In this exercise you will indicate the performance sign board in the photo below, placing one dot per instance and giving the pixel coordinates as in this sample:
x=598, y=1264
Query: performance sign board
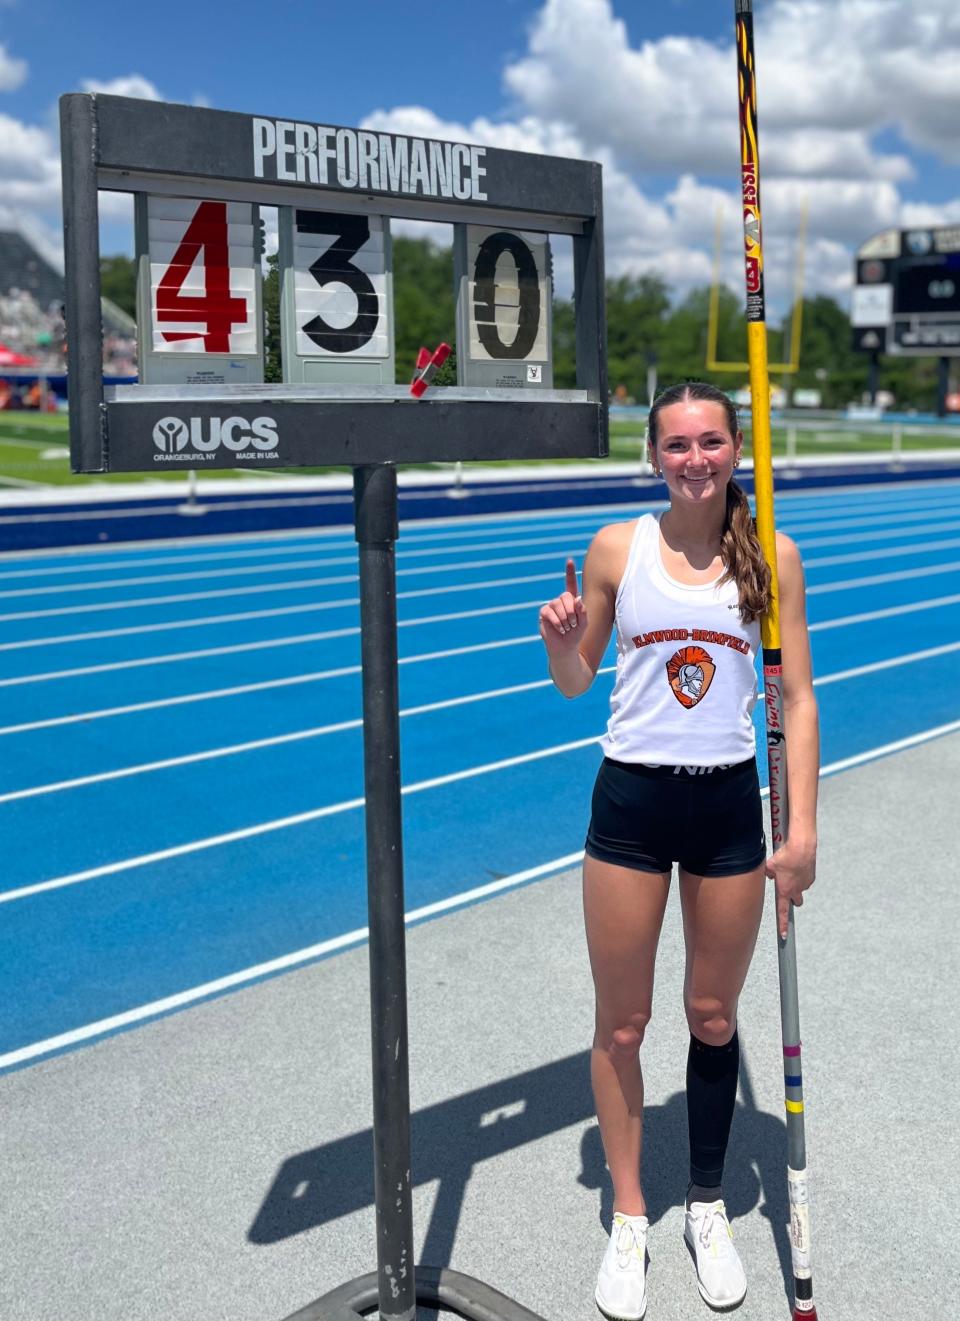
x=336, y=297
x=504, y=308
x=200, y=177
x=198, y=291
x=906, y=299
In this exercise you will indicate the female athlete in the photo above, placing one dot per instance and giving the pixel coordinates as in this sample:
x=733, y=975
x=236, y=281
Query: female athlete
x=678, y=784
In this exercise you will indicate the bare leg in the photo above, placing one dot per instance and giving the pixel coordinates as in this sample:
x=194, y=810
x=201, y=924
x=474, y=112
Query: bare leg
x=623, y=911
x=721, y=918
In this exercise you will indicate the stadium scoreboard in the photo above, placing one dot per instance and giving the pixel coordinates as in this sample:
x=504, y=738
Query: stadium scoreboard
x=906, y=294
x=200, y=180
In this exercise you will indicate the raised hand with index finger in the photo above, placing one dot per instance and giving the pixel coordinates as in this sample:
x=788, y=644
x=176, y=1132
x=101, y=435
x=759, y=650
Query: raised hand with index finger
x=564, y=619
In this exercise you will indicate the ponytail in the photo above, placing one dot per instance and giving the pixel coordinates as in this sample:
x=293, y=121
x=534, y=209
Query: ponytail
x=743, y=559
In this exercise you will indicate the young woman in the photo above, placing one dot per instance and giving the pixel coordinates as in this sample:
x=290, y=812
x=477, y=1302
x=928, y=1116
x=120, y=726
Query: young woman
x=678, y=784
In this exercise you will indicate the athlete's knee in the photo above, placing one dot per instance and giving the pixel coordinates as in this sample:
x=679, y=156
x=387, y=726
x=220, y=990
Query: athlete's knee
x=711, y=1020
x=621, y=1036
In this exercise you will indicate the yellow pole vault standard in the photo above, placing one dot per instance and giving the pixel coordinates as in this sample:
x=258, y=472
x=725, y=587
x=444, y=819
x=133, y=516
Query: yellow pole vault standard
x=803, y=1308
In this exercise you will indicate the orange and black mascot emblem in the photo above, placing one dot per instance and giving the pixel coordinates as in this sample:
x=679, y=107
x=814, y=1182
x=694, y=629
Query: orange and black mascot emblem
x=690, y=671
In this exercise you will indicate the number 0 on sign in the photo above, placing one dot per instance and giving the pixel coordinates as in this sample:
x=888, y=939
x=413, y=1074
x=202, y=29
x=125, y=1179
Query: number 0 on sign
x=503, y=307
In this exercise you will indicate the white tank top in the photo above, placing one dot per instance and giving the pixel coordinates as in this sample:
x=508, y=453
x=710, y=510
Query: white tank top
x=686, y=680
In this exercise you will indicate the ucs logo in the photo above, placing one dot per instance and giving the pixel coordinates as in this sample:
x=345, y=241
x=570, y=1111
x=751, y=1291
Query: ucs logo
x=172, y=434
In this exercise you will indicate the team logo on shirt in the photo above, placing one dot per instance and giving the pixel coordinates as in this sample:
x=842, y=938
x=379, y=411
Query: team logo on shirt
x=690, y=672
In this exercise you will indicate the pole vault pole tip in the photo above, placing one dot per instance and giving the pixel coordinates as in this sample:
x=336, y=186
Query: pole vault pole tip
x=800, y=1315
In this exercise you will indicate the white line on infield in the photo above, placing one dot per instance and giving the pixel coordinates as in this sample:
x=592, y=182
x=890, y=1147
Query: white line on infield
x=245, y=976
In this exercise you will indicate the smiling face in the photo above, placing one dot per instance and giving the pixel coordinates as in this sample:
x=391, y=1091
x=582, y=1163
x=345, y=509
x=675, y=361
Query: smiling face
x=694, y=450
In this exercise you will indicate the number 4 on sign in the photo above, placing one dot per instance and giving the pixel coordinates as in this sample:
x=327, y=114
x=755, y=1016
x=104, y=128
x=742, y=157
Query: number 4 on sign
x=215, y=309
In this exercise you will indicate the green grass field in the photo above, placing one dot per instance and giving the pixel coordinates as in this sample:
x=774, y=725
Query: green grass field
x=34, y=449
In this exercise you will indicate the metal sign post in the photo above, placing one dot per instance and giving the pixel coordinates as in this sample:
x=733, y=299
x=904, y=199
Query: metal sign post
x=337, y=405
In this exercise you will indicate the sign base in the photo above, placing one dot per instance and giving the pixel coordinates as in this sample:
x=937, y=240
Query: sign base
x=435, y=1287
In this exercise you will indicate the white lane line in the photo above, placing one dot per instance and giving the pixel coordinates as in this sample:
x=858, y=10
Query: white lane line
x=445, y=704
x=297, y=585
x=863, y=538
x=338, y=580
x=873, y=667
x=312, y=607
x=343, y=725
x=284, y=823
x=244, y=976
x=278, y=740
x=206, y=621
x=877, y=579
x=848, y=584
x=126, y=1019
x=279, y=568
x=256, y=646
x=318, y=676
x=885, y=553
x=562, y=529
x=336, y=808
x=867, y=616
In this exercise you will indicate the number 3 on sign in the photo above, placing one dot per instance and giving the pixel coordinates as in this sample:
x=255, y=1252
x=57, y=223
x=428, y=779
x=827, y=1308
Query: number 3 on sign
x=340, y=285
x=202, y=277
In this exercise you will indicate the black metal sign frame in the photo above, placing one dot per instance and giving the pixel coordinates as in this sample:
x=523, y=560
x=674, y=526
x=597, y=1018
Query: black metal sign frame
x=119, y=143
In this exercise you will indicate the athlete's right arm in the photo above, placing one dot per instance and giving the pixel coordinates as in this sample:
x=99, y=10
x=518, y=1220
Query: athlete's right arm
x=576, y=629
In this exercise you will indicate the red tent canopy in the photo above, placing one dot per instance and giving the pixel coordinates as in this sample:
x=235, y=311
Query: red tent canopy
x=8, y=358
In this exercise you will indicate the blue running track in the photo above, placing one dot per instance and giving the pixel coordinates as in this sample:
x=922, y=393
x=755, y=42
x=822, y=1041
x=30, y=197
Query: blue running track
x=181, y=780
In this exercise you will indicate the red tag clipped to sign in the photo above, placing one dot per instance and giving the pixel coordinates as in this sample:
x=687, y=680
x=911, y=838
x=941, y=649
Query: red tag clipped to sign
x=423, y=357
x=429, y=371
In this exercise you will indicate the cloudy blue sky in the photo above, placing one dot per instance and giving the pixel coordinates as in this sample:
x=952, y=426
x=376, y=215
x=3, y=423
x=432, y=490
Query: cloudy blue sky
x=859, y=104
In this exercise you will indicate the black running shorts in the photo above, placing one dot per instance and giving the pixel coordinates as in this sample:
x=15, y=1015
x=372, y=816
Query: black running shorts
x=709, y=820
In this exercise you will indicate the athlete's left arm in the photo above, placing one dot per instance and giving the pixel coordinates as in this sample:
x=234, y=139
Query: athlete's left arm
x=794, y=864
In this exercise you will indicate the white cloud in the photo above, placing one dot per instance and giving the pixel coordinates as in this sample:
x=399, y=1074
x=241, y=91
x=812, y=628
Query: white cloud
x=24, y=150
x=867, y=64
x=131, y=84
x=13, y=72
x=830, y=77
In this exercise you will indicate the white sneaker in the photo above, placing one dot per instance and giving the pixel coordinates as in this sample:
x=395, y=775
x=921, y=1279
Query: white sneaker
x=720, y=1274
x=622, y=1280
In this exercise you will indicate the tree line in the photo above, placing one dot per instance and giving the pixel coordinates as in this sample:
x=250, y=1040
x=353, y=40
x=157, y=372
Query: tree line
x=645, y=325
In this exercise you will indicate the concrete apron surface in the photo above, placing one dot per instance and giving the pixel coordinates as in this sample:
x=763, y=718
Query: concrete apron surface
x=217, y=1163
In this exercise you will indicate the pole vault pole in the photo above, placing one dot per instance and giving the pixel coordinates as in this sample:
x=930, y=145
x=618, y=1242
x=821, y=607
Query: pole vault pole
x=803, y=1307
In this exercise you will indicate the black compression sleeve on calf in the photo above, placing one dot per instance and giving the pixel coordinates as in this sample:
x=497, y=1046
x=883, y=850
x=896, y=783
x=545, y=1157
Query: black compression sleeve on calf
x=712, y=1073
